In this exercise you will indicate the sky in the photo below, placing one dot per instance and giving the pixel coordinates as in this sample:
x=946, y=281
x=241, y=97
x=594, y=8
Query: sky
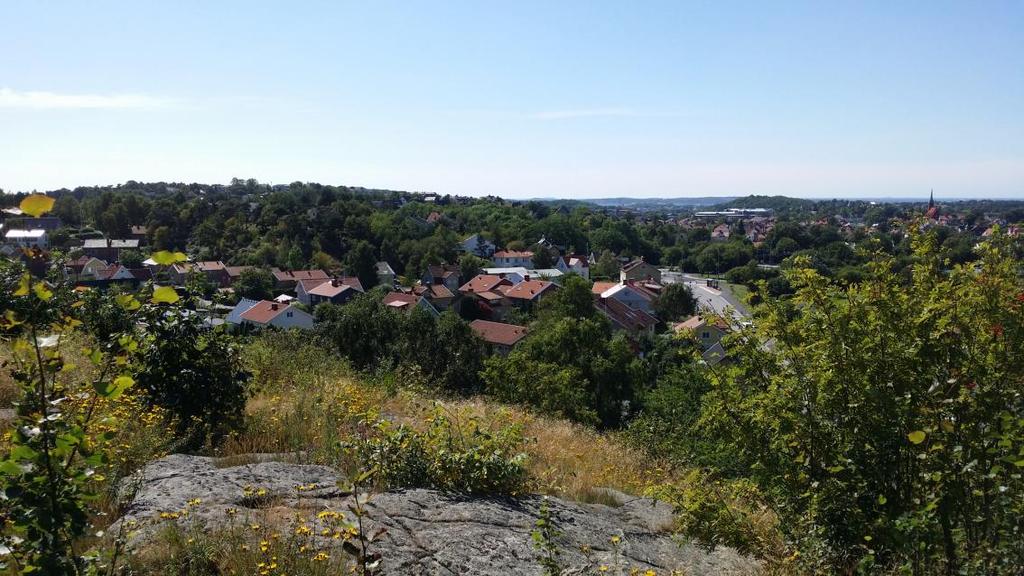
x=569, y=99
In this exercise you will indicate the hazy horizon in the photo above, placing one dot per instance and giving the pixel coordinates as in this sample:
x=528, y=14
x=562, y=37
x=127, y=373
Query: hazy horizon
x=577, y=100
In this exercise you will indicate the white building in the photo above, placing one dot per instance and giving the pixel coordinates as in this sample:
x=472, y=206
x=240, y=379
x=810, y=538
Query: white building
x=35, y=238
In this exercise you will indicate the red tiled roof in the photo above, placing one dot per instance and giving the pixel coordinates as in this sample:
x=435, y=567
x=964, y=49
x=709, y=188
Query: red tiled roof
x=484, y=283
x=435, y=291
x=497, y=332
x=600, y=287
x=264, y=311
x=528, y=289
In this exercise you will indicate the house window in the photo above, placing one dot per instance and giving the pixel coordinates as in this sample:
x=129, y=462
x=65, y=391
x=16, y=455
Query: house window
x=705, y=335
x=289, y=314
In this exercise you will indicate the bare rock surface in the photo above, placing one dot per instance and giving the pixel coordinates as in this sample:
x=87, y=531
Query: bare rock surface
x=426, y=532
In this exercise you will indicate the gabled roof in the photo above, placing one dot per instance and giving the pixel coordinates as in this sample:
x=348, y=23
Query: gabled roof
x=434, y=291
x=483, y=283
x=333, y=287
x=400, y=300
x=443, y=270
x=235, y=316
x=296, y=275
x=497, y=332
x=263, y=312
x=576, y=260
x=697, y=322
x=630, y=319
x=600, y=287
x=139, y=230
x=634, y=264
x=111, y=243
x=528, y=289
x=384, y=268
x=115, y=272
x=236, y=271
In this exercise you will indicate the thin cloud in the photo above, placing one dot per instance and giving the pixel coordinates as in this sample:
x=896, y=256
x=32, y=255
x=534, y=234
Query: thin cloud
x=10, y=98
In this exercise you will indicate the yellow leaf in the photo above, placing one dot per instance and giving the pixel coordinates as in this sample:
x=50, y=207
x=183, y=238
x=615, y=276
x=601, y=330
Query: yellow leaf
x=164, y=295
x=916, y=437
x=23, y=285
x=42, y=291
x=36, y=205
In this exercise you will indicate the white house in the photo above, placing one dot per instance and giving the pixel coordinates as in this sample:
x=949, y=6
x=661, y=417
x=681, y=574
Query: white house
x=269, y=313
x=575, y=264
x=478, y=245
x=631, y=295
x=35, y=238
x=513, y=258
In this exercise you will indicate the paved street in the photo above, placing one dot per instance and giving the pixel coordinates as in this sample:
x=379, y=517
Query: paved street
x=717, y=300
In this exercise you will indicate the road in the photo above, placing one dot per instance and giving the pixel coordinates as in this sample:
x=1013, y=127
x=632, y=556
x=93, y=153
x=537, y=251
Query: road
x=717, y=300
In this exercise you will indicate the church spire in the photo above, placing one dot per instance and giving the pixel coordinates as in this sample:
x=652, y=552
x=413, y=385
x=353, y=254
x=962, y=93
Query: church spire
x=931, y=199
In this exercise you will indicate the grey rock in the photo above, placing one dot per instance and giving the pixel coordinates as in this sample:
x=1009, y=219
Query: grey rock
x=426, y=531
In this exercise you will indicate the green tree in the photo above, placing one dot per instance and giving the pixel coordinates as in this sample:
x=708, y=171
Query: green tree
x=886, y=422
x=362, y=263
x=131, y=259
x=675, y=301
x=573, y=300
x=255, y=283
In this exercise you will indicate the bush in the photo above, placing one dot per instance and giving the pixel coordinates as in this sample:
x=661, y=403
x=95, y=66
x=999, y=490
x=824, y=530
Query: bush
x=448, y=455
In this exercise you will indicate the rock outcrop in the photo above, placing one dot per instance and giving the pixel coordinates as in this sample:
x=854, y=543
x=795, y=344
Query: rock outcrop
x=426, y=532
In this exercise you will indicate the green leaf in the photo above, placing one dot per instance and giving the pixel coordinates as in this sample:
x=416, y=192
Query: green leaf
x=36, y=204
x=916, y=437
x=118, y=386
x=127, y=301
x=9, y=468
x=166, y=258
x=882, y=499
x=164, y=295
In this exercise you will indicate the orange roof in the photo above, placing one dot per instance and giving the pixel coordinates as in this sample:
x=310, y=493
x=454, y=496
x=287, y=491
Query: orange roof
x=528, y=289
x=483, y=283
x=600, y=287
x=400, y=300
x=497, y=332
x=263, y=312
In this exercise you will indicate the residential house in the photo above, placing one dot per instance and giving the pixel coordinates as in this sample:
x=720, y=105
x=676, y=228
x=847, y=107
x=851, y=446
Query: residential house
x=335, y=291
x=85, y=267
x=478, y=245
x=636, y=295
x=406, y=302
x=108, y=249
x=34, y=238
x=513, y=258
x=640, y=270
x=114, y=273
x=575, y=264
x=385, y=274
x=235, y=272
x=214, y=270
x=720, y=233
x=267, y=313
x=708, y=332
x=528, y=292
x=287, y=279
x=486, y=293
x=434, y=218
x=140, y=233
x=445, y=274
x=500, y=337
x=517, y=274
x=439, y=296
x=634, y=322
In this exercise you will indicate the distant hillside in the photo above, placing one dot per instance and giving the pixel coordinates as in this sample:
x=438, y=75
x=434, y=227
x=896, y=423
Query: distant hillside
x=777, y=203
x=660, y=203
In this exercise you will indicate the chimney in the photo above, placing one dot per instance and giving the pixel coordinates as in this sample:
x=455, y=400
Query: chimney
x=273, y=306
x=526, y=278
x=334, y=282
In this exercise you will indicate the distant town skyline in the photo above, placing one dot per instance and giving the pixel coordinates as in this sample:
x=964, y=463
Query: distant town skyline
x=575, y=100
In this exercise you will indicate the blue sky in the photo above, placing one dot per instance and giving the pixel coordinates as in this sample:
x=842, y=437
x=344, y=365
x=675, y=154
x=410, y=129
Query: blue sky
x=520, y=99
